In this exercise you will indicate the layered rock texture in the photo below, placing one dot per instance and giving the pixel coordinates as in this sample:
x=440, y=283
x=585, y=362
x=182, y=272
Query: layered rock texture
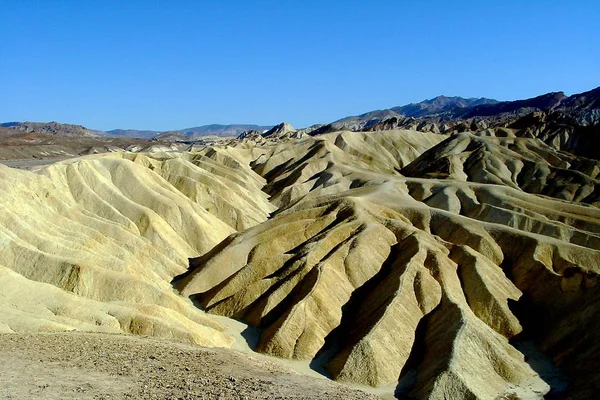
x=415, y=261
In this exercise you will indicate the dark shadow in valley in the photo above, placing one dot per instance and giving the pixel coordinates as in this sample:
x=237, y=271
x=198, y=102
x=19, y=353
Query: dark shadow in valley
x=408, y=376
x=527, y=343
x=252, y=336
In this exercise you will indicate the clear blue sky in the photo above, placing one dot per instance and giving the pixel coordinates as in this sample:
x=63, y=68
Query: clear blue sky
x=175, y=64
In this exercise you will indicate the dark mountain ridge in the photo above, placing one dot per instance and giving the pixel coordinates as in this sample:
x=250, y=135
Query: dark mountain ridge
x=440, y=104
x=442, y=109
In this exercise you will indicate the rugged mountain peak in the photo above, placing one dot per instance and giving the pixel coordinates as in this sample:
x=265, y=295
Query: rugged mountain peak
x=584, y=107
x=249, y=133
x=281, y=129
x=590, y=99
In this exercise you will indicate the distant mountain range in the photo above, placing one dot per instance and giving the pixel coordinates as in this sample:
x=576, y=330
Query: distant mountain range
x=51, y=128
x=55, y=128
x=437, y=105
x=440, y=104
x=584, y=107
x=440, y=114
x=569, y=123
x=190, y=133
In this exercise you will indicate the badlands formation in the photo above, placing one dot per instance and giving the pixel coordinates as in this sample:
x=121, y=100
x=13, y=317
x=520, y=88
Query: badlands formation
x=416, y=262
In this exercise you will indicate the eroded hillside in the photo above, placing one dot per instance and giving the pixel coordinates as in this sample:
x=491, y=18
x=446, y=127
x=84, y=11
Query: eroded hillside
x=387, y=258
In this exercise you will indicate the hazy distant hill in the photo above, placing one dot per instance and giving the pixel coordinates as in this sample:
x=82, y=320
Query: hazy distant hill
x=51, y=128
x=221, y=130
x=132, y=133
x=174, y=136
x=190, y=133
x=55, y=128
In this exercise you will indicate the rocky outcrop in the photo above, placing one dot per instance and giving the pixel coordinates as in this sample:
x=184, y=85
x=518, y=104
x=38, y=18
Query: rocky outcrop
x=282, y=131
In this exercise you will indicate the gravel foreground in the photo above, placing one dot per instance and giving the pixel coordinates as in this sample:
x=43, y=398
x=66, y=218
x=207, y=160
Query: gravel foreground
x=106, y=366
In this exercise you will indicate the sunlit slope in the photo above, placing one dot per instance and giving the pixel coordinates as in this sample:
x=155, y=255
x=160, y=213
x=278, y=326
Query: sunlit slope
x=216, y=180
x=333, y=162
x=93, y=243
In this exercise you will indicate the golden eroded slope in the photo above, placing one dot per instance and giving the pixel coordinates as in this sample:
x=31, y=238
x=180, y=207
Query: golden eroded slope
x=93, y=243
x=385, y=278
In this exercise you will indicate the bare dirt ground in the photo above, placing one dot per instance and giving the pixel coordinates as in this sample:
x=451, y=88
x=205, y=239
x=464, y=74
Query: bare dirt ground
x=103, y=366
